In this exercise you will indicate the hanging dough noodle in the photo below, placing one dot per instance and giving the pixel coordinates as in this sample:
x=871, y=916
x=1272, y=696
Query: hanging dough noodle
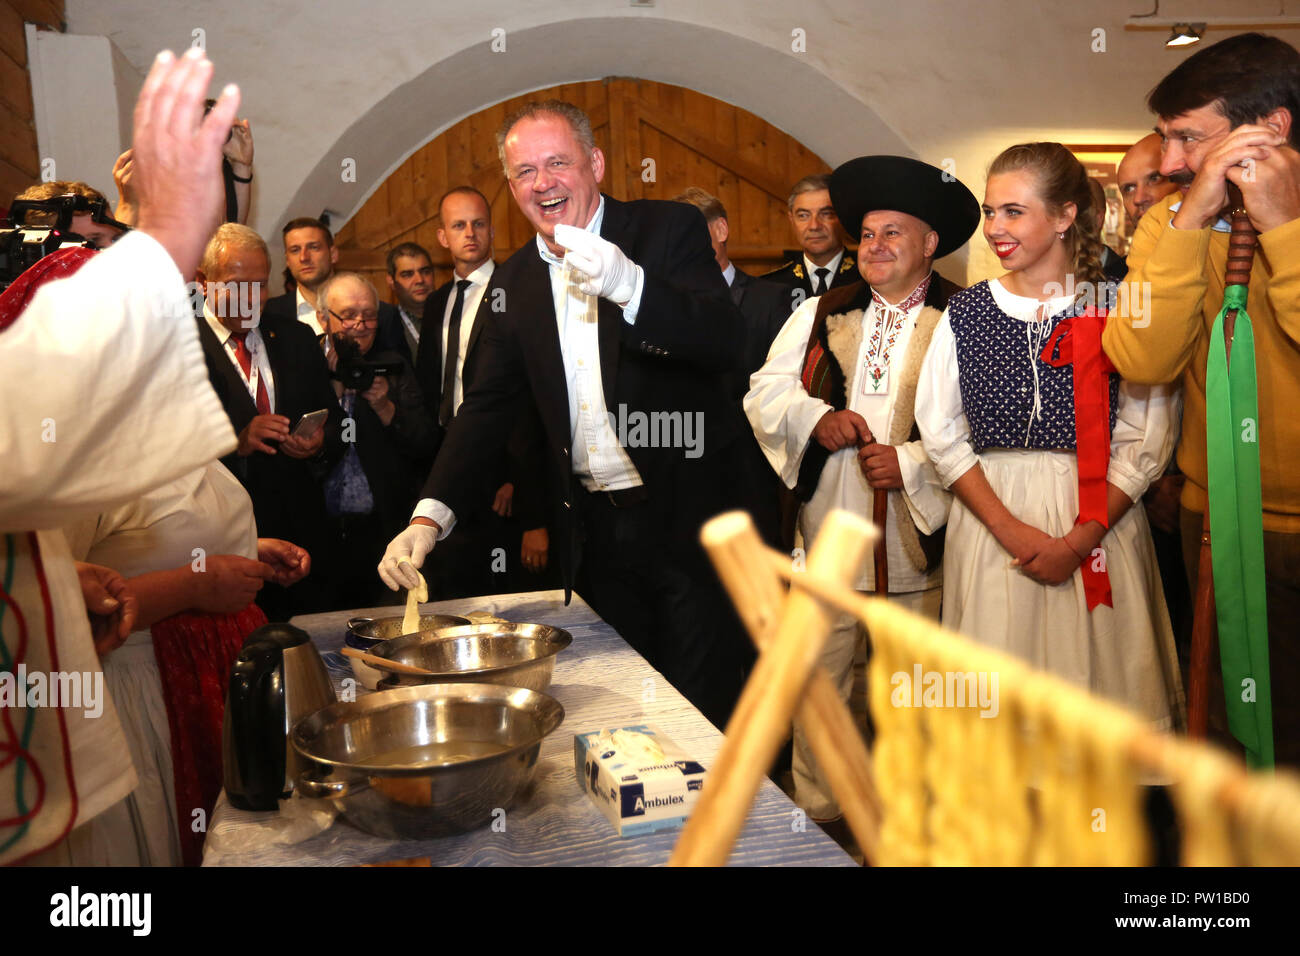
x=414, y=597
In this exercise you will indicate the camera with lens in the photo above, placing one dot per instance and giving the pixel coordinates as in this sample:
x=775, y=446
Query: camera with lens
x=352, y=368
x=39, y=227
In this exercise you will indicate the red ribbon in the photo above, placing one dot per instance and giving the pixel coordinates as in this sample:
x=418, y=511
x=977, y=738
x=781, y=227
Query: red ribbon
x=1077, y=341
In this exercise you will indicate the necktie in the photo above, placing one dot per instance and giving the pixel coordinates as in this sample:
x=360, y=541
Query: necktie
x=445, y=407
x=822, y=285
x=245, y=359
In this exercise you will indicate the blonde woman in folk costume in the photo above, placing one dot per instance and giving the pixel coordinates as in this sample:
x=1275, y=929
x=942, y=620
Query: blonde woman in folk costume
x=1072, y=590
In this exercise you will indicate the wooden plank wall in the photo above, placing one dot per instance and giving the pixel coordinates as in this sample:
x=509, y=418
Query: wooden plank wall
x=20, y=164
x=693, y=139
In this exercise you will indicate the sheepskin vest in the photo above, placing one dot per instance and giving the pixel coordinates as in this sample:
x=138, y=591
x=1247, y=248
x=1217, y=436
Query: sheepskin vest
x=832, y=348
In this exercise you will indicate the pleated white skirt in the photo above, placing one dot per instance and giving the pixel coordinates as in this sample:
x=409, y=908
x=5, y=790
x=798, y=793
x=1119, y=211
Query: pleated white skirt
x=1125, y=653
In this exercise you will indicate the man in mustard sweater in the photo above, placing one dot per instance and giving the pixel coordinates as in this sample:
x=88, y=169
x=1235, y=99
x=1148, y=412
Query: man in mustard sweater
x=1229, y=114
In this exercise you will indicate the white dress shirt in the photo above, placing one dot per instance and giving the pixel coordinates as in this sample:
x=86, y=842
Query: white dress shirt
x=729, y=274
x=783, y=415
x=833, y=266
x=307, y=314
x=599, y=461
x=261, y=365
x=478, y=282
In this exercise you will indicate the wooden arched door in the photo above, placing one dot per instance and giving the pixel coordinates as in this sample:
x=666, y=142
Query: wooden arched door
x=658, y=139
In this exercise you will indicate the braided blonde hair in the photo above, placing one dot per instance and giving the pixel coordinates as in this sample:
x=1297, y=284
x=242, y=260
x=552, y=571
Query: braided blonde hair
x=1062, y=179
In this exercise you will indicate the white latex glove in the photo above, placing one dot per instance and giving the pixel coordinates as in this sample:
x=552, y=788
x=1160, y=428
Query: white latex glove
x=610, y=274
x=414, y=544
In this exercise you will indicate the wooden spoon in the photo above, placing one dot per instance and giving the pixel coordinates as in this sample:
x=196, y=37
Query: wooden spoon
x=383, y=663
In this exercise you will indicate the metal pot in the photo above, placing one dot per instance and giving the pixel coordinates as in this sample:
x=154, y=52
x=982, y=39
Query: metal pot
x=364, y=633
x=422, y=762
x=517, y=655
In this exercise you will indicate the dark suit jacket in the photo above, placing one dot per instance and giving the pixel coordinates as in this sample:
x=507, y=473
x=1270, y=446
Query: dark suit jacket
x=388, y=337
x=288, y=501
x=671, y=360
x=428, y=368
x=765, y=306
x=522, y=462
x=793, y=275
x=395, y=456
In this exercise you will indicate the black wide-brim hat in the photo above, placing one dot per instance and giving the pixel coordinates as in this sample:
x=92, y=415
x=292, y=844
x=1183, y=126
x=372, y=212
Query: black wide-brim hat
x=934, y=196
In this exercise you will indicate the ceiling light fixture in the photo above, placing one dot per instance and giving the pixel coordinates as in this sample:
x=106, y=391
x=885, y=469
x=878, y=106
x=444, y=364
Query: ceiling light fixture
x=1185, y=34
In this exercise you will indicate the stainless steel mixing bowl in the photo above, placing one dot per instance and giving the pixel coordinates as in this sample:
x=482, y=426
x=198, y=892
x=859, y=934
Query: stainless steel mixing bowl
x=427, y=761
x=517, y=655
x=363, y=633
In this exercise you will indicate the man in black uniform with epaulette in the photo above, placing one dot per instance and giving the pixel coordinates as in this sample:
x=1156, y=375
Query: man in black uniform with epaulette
x=823, y=264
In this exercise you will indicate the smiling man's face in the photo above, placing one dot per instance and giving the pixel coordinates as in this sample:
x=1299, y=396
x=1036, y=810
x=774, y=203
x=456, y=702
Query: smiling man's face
x=552, y=177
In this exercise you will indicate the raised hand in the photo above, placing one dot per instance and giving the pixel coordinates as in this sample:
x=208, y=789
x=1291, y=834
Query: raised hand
x=610, y=274
x=176, y=155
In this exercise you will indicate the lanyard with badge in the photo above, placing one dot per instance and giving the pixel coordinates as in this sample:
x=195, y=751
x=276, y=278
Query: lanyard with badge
x=253, y=376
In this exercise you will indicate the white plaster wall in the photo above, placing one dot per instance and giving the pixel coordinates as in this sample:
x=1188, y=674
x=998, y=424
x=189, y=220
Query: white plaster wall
x=79, y=84
x=325, y=80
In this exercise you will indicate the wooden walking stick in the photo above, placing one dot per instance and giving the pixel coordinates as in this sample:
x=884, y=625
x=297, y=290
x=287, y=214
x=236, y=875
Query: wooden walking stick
x=879, y=509
x=1241, y=256
x=745, y=567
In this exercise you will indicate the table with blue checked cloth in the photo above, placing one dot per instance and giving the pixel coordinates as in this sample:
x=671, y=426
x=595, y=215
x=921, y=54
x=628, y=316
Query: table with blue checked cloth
x=602, y=682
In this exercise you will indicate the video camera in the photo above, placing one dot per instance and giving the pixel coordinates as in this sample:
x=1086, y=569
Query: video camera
x=39, y=227
x=352, y=368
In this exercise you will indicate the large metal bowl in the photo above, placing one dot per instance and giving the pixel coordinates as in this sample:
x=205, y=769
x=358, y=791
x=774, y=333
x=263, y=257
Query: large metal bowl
x=421, y=762
x=364, y=633
x=517, y=655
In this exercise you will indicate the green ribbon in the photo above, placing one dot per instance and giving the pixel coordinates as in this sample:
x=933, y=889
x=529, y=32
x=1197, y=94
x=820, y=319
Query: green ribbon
x=1237, y=531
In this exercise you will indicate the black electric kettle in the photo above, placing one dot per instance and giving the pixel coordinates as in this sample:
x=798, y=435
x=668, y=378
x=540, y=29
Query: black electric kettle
x=278, y=679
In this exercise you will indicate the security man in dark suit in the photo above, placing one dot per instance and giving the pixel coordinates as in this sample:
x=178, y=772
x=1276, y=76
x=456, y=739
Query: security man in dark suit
x=617, y=325
x=765, y=306
x=268, y=376
x=504, y=541
x=821, y=263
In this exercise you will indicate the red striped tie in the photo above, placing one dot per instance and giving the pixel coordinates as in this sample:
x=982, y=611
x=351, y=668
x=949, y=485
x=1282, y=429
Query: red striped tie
x=246, y=363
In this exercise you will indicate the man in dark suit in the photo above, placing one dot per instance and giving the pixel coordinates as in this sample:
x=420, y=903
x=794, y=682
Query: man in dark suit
x=268, y=377
x=310, y=256
x=617, y=324
x=370, y=492
x=821, y=263
x=765, y=307
x=503, y=543
x=410, y=279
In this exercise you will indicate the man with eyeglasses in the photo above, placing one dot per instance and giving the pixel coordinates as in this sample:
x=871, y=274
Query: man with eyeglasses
x=269, y=376
x=1227, y=116
x=310, y=257
x=388, y=438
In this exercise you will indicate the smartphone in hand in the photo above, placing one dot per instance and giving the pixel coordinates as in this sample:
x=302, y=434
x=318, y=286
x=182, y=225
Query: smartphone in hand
x=310, y=424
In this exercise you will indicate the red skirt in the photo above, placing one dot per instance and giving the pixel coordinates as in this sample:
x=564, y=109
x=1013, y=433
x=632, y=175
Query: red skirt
x=195, y=653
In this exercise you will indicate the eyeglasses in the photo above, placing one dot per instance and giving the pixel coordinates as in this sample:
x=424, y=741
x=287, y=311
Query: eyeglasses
x=368, y=319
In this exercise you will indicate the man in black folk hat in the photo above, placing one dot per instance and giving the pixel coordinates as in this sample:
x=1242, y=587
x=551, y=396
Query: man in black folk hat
x=832, y=407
